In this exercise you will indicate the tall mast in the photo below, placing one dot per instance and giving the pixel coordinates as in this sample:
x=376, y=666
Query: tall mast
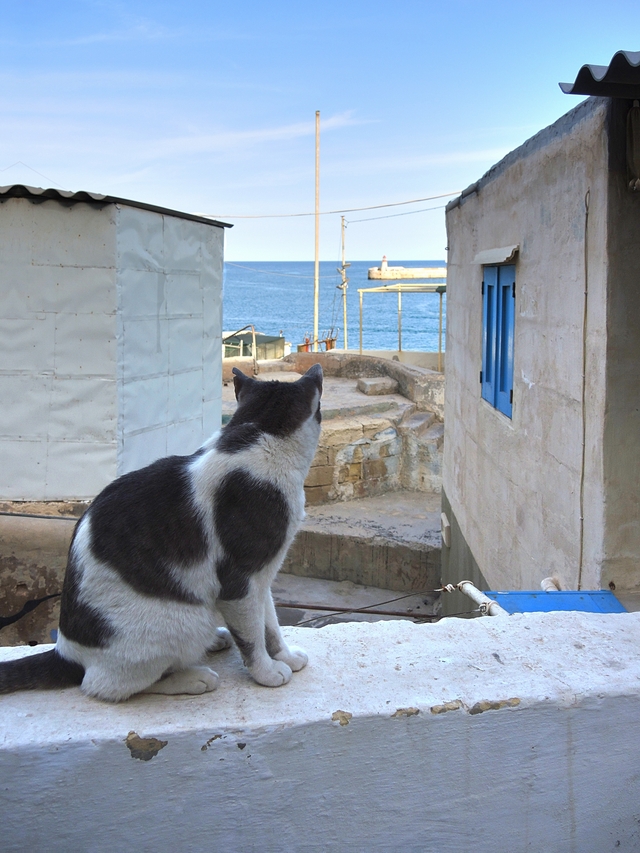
x=316, y=271
x=344, y=285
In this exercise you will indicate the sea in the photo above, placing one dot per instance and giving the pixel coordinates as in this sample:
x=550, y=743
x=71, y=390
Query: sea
x=277, y=298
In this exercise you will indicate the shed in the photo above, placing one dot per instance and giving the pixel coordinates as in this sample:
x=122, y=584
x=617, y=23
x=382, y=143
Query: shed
x=110, y=338
x=542, y=402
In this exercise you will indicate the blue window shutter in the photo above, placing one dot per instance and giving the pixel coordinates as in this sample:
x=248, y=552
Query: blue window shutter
x=504, y=349
x=489, y=327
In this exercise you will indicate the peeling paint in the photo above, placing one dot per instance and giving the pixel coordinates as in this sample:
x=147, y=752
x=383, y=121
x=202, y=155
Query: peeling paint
x=406, y=712
x=144, y=748
x=209, y=742
x=448, y=706
x=481, y=707
x=341, y=717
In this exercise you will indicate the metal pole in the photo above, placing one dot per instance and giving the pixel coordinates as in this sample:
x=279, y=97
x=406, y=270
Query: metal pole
x=360, y=295
x=440, y=337
x=316, y=273
x=344, y=288
x=399, y=320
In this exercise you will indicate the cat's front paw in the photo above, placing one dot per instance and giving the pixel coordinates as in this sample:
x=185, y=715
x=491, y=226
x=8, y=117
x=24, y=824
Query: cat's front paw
x=295, y=657
x=275, y=675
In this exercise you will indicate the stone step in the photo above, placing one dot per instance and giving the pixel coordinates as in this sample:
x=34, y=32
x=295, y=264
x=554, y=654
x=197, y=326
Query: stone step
x=391, y=541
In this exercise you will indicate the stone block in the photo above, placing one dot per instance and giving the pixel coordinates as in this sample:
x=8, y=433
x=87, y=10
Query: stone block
x=350, y=473
x=339, y=433
x=377, y=385
x=321, y=457
x=320, y=475
x=317, y=494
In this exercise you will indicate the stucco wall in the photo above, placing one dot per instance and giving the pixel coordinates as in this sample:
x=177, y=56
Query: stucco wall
x=57, y=349
x=495, y=734
x=514, y=484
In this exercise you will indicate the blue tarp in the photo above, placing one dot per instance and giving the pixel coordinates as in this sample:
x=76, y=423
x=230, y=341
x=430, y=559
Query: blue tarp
x=589, y=601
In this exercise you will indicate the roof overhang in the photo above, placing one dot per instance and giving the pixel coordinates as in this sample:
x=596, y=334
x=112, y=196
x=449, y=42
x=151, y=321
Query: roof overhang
x=66, y=197
x=619, y=79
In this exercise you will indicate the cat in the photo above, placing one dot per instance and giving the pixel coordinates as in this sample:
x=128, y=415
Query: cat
x=164, y=550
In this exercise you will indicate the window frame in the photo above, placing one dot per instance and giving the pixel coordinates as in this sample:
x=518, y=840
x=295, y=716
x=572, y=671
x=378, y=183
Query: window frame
x=498, y=335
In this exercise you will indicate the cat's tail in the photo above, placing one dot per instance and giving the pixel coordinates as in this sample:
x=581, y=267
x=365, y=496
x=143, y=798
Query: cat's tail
x=44, y=671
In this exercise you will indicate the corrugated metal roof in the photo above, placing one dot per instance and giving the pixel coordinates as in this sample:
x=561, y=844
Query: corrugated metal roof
x=619, y=79
x=66, y=197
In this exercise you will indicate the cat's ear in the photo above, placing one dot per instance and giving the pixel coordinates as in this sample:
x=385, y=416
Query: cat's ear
x=314, y=373
x=241, y=382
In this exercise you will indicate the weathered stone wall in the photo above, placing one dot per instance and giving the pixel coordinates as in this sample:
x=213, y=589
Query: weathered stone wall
x=33, y=558
x=367, y=456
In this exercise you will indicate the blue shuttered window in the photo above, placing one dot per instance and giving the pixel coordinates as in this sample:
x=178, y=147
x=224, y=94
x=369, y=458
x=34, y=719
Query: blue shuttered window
x=498, y=318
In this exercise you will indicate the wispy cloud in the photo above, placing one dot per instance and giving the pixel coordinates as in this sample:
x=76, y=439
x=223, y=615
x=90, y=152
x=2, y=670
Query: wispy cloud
x=232, y=140
x=392, y=162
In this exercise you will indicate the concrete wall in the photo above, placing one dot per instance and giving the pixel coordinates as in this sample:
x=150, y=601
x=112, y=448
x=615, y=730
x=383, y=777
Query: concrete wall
x=110, y=337
x=514, y=484
x=485, y=734
x=621, y=558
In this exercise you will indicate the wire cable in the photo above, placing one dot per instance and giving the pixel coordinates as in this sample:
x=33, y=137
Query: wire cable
x=325, y=212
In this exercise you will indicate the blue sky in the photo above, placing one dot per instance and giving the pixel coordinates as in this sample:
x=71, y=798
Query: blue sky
x=210, y=107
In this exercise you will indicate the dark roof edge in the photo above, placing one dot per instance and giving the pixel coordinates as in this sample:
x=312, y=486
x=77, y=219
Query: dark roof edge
x=619, y=79
x=561, y=127
x=97, y=199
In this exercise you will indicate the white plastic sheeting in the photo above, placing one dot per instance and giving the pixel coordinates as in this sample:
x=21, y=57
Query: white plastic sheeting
x=110, y=339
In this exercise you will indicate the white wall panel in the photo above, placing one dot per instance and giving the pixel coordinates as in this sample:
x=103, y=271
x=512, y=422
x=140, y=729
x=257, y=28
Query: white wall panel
x=69, y=290
x=185, y=343
x=144, y=404
x=184, y=437
x=83, y=409
x=28, y=344
x=140, y=240
x=23, y=468
x=183, y=239
x=138, y=449
x=78, y=469
x=185, y=397
x=144, y=295
x=25, y=408
x=76, y=236
x=85, y=344
x=184, y=294
x=146, y=352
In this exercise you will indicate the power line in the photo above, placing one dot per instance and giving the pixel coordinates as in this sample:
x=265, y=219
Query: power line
x=27, y=166
x=326, y=212
x=392, y=215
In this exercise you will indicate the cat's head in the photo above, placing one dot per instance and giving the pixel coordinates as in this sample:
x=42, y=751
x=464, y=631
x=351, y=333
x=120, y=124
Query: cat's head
x=278, y=408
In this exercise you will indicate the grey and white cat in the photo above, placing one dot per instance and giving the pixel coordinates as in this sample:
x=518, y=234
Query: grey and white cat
x=164, y=550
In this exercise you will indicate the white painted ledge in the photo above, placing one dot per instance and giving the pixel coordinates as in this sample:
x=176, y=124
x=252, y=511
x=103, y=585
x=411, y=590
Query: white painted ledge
x=525, y=738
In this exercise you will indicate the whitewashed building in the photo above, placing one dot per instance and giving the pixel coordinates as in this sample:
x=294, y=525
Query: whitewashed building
x=542, y=404
x=110, y=338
